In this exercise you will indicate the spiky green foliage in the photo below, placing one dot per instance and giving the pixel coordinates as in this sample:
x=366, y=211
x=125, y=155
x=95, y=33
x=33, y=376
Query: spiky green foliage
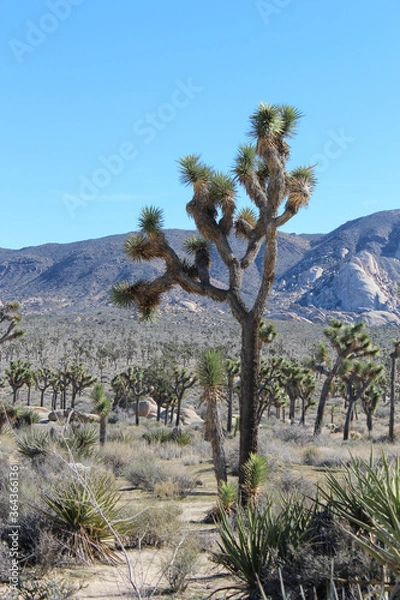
x=193, y=171
x=301, y=182
x=227, y=496
x=273, y=120
x=221, y=187
x=290, y=118
x=137, y=247
x=194, y=244
x=368, y=496
x=210, y=369
x=81, y=441
x=101, y=402
x=26, y=416
x=34, y=443
x=121, y=295
x=255, y=476
x=266, y=121
x=268, y=332
x=151, y=219
x=245, y=162
x=83, y=509
x=245, y=222
x=262, y=541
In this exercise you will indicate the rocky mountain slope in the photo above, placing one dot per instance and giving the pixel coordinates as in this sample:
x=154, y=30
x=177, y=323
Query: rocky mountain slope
x=352, y=272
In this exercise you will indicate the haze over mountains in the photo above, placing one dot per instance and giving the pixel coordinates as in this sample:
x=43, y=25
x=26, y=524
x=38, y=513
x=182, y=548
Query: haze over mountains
x=352, y=273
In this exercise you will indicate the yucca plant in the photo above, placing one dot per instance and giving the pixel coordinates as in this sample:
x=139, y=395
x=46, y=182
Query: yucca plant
x=367, y=495
x=157, y=436
x=227, y=496
x=34, y=443
x=85, y=513
x=259, y=541
x=82, y=441
x=255, y=476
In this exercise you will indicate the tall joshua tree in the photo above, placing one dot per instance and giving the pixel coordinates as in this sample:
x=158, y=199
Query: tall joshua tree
x=276, y=194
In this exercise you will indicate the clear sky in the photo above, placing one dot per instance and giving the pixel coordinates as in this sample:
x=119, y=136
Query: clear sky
x=99, y=98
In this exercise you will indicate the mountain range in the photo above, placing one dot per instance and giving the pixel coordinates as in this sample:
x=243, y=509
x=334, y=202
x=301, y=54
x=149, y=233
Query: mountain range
x=352, y=273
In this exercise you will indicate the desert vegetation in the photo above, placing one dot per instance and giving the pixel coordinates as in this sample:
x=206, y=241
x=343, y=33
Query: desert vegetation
x=138, y=504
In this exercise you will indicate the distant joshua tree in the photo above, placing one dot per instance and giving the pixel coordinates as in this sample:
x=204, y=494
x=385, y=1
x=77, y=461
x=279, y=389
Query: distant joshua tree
x=277, y=195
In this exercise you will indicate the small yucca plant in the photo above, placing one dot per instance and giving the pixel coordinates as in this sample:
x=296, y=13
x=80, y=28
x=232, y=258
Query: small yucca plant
x=85, y=512
x=255, y=475
x=34, y=443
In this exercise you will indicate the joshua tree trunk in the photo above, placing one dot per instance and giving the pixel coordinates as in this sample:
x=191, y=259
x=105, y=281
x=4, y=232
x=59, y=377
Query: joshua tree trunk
x=103, y=430
x=250, y=363
x=322, y=401
x=349, y=414
x=215, y=436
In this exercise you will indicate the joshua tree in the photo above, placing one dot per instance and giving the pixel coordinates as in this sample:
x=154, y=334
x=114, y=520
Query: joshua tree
x=102, y=407
x=9, y=320
x=350, y=342
x=357, y=377
x=43, y=378
x=277, y=195
x=79, y=380
x=17, y=375
x=182, y=380
x=393, y=358
x=211, y=375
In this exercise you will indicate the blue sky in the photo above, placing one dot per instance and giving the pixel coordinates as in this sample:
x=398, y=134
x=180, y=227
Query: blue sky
x=100, y=98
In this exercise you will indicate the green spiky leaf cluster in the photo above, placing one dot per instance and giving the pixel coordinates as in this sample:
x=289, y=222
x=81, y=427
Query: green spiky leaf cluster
x=151, y=219
x=193, y=171
x=82, y=509
x=367, y=495
x=274, y=120
x=195, y=244
x=245, y=162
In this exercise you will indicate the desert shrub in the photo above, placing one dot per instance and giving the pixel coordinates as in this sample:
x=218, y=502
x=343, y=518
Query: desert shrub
x=182, y=437
x=296, y=434
x=34, y=443
x=311, y=456
x=291, y=483
x=145, y=473
x=26, y=416
x=154, y=526
x=117, y=456
x=43, y=589
x=182, y=564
